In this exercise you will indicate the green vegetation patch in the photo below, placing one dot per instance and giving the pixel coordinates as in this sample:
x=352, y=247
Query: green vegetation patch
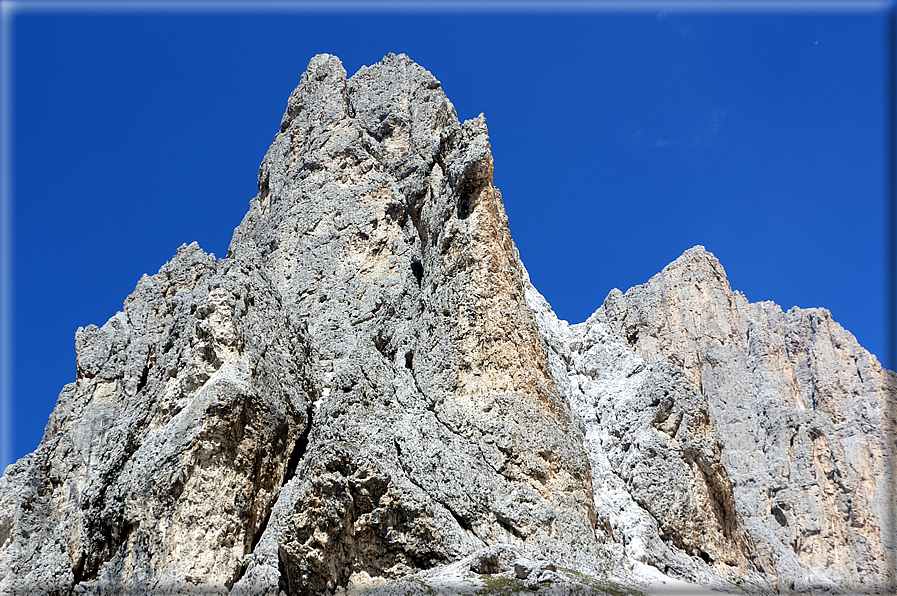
x=497, y=584
x=605, y=585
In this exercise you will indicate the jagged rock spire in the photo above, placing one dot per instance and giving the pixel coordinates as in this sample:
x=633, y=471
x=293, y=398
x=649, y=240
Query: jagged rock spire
x=368, y=393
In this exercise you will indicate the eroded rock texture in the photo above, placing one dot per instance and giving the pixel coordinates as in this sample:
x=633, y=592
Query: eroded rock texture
x=732, y=443
x=804, y=413
x=159, y=462
x=439, y=428
x=367, y=394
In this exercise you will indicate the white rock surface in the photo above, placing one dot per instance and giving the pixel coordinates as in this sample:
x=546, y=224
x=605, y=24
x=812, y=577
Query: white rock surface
x=367, y=395
x=755, y=442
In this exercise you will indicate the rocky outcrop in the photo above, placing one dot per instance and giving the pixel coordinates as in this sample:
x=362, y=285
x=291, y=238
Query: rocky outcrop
x=732, y=441
x=774, y=430
x=438, y=430
x=159, y=463
x=368, y=395
x=407, y=381
x=662, y=494
x=805, y=416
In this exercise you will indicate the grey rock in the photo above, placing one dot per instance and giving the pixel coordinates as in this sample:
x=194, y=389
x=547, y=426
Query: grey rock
x=804, y=413
x=158, y=463
x=350, y=391
x=538, y=570
x=378, y=216
x=367, y=395
x=500, y=575
x=789, y=435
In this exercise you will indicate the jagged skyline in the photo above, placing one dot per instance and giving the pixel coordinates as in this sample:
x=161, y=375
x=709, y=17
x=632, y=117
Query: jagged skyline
x=648, y=152
x=367, y=395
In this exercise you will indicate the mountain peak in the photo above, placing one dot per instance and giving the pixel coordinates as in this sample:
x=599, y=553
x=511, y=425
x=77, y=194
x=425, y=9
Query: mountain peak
x=696, y=265
x=367, y=396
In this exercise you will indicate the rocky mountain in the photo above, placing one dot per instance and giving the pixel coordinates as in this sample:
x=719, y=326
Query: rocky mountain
x=367, y=395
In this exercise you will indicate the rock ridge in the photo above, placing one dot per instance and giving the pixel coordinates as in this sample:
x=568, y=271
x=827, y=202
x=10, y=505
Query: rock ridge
x=367, y=395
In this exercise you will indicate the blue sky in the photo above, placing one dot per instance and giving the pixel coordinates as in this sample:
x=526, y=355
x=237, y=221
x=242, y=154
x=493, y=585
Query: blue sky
x=620, y=140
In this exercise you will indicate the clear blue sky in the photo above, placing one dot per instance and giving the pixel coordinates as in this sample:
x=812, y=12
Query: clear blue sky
x=620, y=140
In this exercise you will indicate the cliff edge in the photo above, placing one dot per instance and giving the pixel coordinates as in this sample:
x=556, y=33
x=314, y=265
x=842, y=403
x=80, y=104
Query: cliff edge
x=367, y=395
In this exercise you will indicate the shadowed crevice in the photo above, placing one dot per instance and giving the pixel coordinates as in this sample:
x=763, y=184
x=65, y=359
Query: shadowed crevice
x=299, y=449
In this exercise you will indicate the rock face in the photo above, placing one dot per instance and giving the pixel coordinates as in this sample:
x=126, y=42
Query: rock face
x=805, y=416
x=367, y=394
x=774, y=430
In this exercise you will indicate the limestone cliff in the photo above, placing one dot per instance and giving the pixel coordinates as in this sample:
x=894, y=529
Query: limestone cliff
x=367, y=394
x=774, y=430
x=805, y=416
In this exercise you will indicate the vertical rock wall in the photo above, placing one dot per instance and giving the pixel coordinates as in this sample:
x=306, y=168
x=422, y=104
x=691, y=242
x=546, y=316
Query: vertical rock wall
x=804, y=416
x=367, y=393
x=159, y=462
x=378, y=214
